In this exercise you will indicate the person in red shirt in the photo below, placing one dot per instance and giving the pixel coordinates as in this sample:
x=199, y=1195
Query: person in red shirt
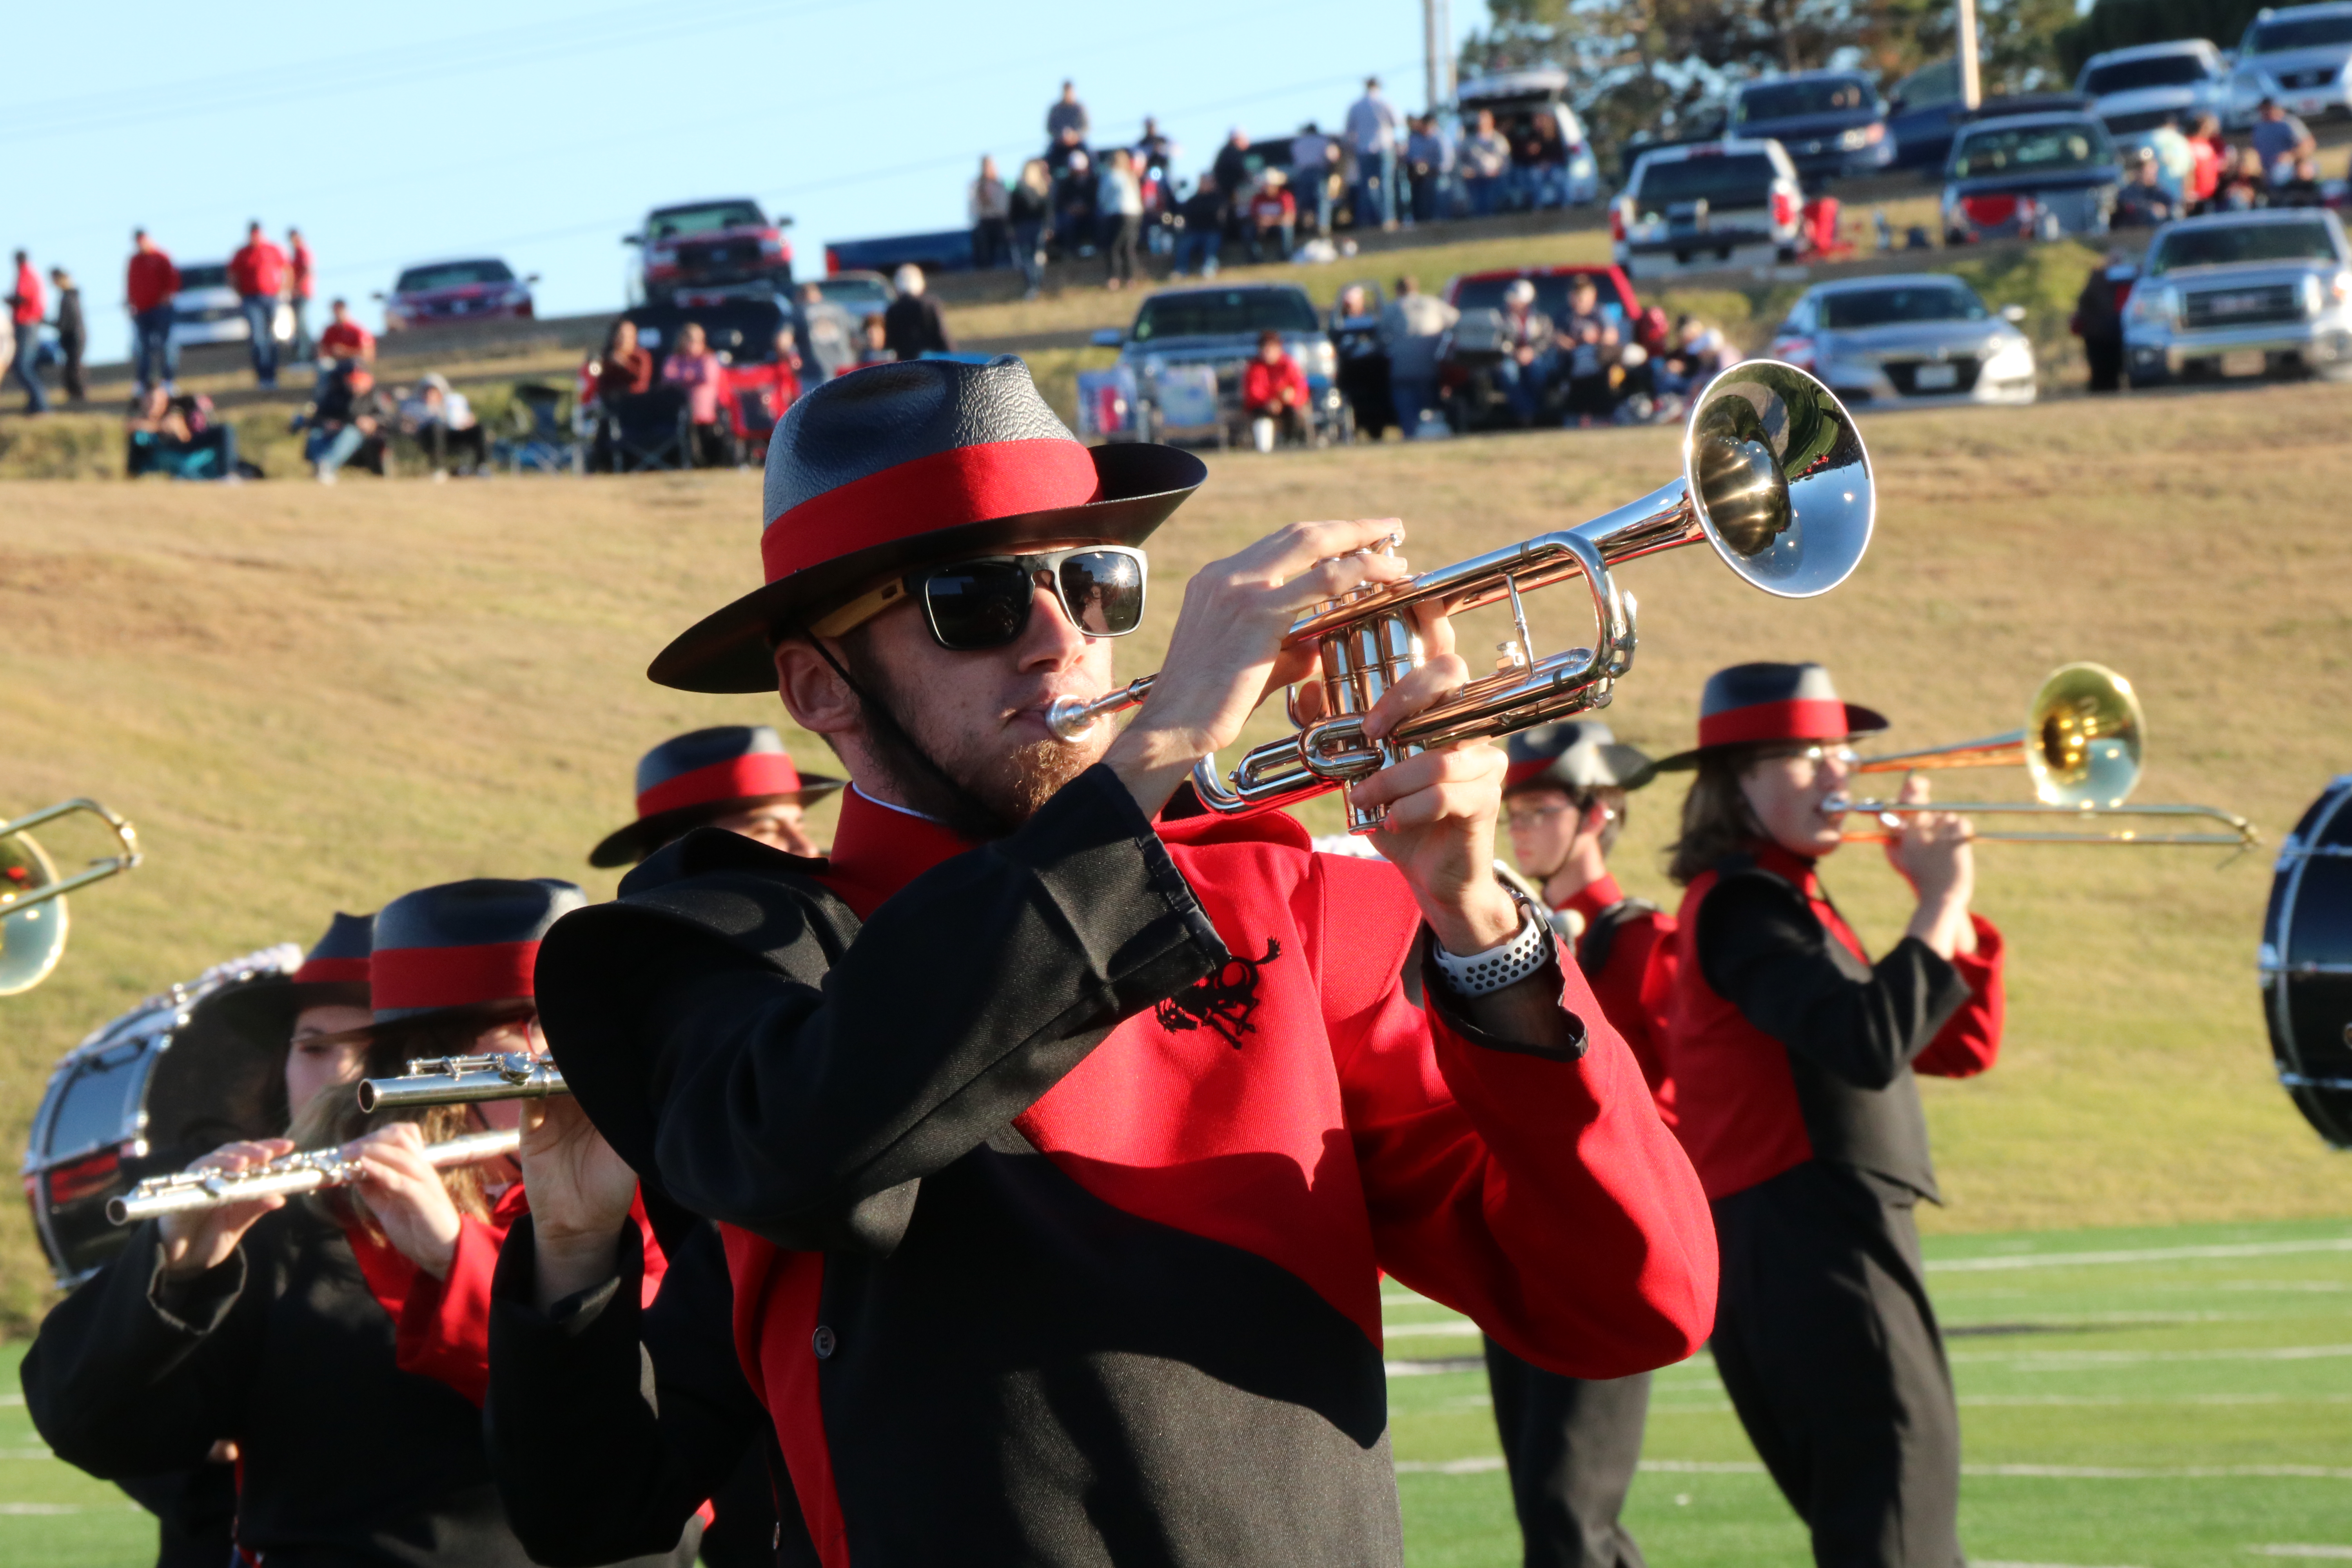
x=345, y=339
x=301, y=283
x=1273, y=217
x=2208, y=154
x=1571, y=1445
x=1274, y=394
x=257, y=273
x=1792, y=1057
x=149, y=284
x=25, y=308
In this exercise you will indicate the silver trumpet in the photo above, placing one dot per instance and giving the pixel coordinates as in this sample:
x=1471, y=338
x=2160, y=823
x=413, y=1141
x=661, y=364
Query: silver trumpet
x=466, y=1080
x=307, y=1171
x=1774, y=478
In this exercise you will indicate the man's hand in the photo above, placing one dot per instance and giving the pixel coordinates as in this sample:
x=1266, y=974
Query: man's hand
x=581, y=1194
x=1226, y=652
x=405, y=1195
x=196, y=1241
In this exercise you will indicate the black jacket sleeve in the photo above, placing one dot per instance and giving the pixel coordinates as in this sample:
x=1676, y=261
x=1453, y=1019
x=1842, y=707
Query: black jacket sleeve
x=608, y=1426
x=1761, y=949
x=133, y=1373
x=800, y=1085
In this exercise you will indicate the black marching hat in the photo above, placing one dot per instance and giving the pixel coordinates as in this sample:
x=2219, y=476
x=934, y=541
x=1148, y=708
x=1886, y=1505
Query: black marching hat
x=461, y=953
x=1575, y=754
x=693, y=778
x=1752, y=704
x=334, y=973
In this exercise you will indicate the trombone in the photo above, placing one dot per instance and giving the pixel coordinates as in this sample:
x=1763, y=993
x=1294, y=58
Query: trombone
x=2082, y=744
x=1774, y=478
x=32, y=931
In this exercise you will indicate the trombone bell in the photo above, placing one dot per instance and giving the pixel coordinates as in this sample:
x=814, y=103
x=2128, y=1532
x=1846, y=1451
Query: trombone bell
x=33, y=921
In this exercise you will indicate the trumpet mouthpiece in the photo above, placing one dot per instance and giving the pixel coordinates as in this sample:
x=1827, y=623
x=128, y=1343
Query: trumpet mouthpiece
x=1069, y=719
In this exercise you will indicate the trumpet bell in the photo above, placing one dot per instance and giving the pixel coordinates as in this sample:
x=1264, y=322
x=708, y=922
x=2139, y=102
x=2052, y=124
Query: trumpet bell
x=32, y=939
x=2083, y=738
x=1779, y=479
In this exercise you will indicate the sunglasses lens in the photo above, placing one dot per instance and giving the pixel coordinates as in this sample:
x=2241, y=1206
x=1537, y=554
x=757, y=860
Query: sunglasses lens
x=980, y=604
x=1104, y=591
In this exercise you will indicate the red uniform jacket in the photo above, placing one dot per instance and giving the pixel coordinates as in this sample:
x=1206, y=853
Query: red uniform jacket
x=1814, y=1057
x=1627, y=955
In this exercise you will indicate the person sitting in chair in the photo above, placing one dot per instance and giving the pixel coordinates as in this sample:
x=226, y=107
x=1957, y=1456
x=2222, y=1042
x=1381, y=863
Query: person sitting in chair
x=442, y=420
x=1274, y=394
x=694, y=371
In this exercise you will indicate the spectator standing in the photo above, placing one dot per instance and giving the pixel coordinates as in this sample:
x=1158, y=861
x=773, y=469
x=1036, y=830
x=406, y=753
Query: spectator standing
x=1119, y=195
x=1274, y=394
x=1273, y=217
x=441, y=419
x=73, y=331
x=1153, y=150
x=25, y=312
x=301, y=283
x=1428, y=164
x=2280, y=138
x=2175, y=162
x=149, y=283
x=990, y=207
x=1204, y=212
x=1030, y=211
x=2144, y=202
x=1068, y=114
x=1542, y=157
x=912, y=326
x=1485, y=165
x=1524, y=367
x=1310, y=176
x=694, y=373
x=1075, y=220
x=257, y=273
x=2099, y=320
x=2208, y=154
x=1372, y=128
x=1413, y=326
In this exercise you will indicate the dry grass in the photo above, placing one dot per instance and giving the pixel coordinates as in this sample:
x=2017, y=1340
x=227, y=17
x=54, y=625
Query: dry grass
x=315, y=700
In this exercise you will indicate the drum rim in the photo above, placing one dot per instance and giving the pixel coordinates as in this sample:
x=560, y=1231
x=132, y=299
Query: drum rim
x=2287, y=1049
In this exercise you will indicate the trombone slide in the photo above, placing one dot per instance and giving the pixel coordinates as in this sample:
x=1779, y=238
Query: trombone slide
x=464, y=1080
x=126, y=836
x=307, y=1171
x=1889, y=814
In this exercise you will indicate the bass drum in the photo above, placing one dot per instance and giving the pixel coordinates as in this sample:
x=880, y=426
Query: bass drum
x=2306, y=965
x=146, y=1094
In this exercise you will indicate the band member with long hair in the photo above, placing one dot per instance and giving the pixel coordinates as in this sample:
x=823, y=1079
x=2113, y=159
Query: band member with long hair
x=1059, y=1144
x=734, y=776
x=338, y=1341
x=1793, y=1056
x=1572, y=1444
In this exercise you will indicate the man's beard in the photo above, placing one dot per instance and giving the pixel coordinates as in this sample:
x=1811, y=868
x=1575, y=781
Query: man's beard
x=976, y=803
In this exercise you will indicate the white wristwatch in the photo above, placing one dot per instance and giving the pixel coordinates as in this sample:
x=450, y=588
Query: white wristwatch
x=1483, y=973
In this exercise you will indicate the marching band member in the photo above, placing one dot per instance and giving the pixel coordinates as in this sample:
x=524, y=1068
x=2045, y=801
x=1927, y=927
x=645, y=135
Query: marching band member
x=1572, y=1444
x=1058, y=1150
x=1792, y=1057
x=735, y=777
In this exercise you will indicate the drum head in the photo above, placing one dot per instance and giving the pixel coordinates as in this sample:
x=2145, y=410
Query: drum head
x=2306, y=965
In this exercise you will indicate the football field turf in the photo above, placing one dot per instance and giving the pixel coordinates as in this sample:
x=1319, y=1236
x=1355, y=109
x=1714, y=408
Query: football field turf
x=2177, y=1397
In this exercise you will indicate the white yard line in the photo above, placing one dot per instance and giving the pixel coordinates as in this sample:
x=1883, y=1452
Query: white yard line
x=2137, y=1255
x=1482, y=1463
x=47, y=1510
x=2285, y=1550
x=2070, y=1360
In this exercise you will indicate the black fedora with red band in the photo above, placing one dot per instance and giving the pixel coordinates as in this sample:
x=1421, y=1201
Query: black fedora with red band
x=705, y=774
x=1574, y=755
x=1761, y=704
x=333, y=974
x=895, y=466
x=463, y=951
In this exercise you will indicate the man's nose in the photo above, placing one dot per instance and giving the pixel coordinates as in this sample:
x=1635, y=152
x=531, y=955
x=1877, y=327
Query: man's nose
x=1051, y=636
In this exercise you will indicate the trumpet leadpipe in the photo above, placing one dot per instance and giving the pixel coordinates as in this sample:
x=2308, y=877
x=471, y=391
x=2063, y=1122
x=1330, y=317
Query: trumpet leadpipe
x=309, y=1170
x=464, y=1080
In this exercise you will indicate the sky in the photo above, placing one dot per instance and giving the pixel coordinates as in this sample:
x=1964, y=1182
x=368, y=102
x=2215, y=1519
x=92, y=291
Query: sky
x=542, y=133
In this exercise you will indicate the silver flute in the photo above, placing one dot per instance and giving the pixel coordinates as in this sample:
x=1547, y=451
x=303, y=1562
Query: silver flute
x=306, y=1171
x=466, y=1080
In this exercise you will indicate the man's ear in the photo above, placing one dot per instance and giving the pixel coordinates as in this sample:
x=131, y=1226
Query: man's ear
x=817, y=696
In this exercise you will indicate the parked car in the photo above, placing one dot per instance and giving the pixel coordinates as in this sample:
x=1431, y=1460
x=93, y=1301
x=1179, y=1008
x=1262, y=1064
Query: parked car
x=1515, y=98
x=208, y=311
x=1916, y=340
x=935, y=251
x=855, y=293
x=1466, y=386
x=1180, y=332
x=2300, y=54
x=712, y=250
x=2243, y=293
x=2136, y=89
x=1715, y=204
x=1921, y=111
x=441, y=291
x=1831, y=123
x=2038, y=175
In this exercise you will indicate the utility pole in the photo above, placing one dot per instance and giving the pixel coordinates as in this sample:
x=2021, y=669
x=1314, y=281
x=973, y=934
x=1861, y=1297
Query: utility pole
x=1972, y=87
x=1437, y=53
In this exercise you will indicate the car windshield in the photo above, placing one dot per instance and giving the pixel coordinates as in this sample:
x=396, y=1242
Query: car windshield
x=452, y=275
x=2298, y=33
x=2032, y=150
x=2130, y=76
x=854, y=295
x=1852, y=310
x=1552, y=295
x=742, y=331
x=1224, y=314
x=1742, y=181
x=1791, y=99
x=215, y=276
x=2221, y=247
x=675, y=221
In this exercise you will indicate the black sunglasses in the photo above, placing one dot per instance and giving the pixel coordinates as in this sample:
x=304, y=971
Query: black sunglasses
x=986, y=602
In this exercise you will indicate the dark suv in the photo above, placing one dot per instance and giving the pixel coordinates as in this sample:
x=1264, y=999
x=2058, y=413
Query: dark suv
x=700, y=252
x=1832, y=123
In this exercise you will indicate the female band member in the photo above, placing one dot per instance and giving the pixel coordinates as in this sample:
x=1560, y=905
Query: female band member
x=1792, y=1057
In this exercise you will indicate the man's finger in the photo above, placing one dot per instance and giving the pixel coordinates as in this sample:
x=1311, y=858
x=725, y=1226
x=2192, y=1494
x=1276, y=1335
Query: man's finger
x=1432, y=682
x=1477, y=763
x=1283, y=555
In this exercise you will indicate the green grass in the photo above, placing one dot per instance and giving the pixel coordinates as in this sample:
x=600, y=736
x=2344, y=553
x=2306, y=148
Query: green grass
x=2195, y=1389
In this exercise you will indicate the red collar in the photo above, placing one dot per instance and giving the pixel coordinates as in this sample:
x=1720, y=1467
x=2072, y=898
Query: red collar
x=1600, y=894
x=877, y=850
x=1801, y=869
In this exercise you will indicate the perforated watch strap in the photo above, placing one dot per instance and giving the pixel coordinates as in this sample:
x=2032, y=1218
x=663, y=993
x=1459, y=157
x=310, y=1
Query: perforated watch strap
x=1483, y=973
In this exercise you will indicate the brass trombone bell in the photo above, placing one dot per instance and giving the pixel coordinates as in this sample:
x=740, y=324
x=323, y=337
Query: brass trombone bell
x=33, y=917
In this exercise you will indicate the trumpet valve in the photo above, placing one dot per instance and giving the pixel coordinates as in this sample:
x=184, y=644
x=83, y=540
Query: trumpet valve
x=1510, y=656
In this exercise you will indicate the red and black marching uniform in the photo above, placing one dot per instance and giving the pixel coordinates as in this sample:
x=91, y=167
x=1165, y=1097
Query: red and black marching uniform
x=1088, y=1262
x=1626, y=951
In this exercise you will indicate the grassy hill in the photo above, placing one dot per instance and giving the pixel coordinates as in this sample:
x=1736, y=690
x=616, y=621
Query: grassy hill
x=311, y=699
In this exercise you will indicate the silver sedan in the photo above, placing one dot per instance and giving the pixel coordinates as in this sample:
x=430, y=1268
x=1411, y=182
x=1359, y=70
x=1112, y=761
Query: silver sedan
x=1911, y=341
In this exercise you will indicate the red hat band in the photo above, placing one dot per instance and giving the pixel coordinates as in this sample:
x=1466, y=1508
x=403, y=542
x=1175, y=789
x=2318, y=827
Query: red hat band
x=736, y=778
x=432, y=977
x=923, y=495
x=332, y=971
x=1795, y=719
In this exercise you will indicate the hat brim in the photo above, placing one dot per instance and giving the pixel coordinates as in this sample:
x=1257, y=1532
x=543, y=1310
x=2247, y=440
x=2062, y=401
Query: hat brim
x=1628, y=767
x=265, y=1010
x=727, y=650
x=627, y=846
x=507, y=1010
x=1859, y=721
